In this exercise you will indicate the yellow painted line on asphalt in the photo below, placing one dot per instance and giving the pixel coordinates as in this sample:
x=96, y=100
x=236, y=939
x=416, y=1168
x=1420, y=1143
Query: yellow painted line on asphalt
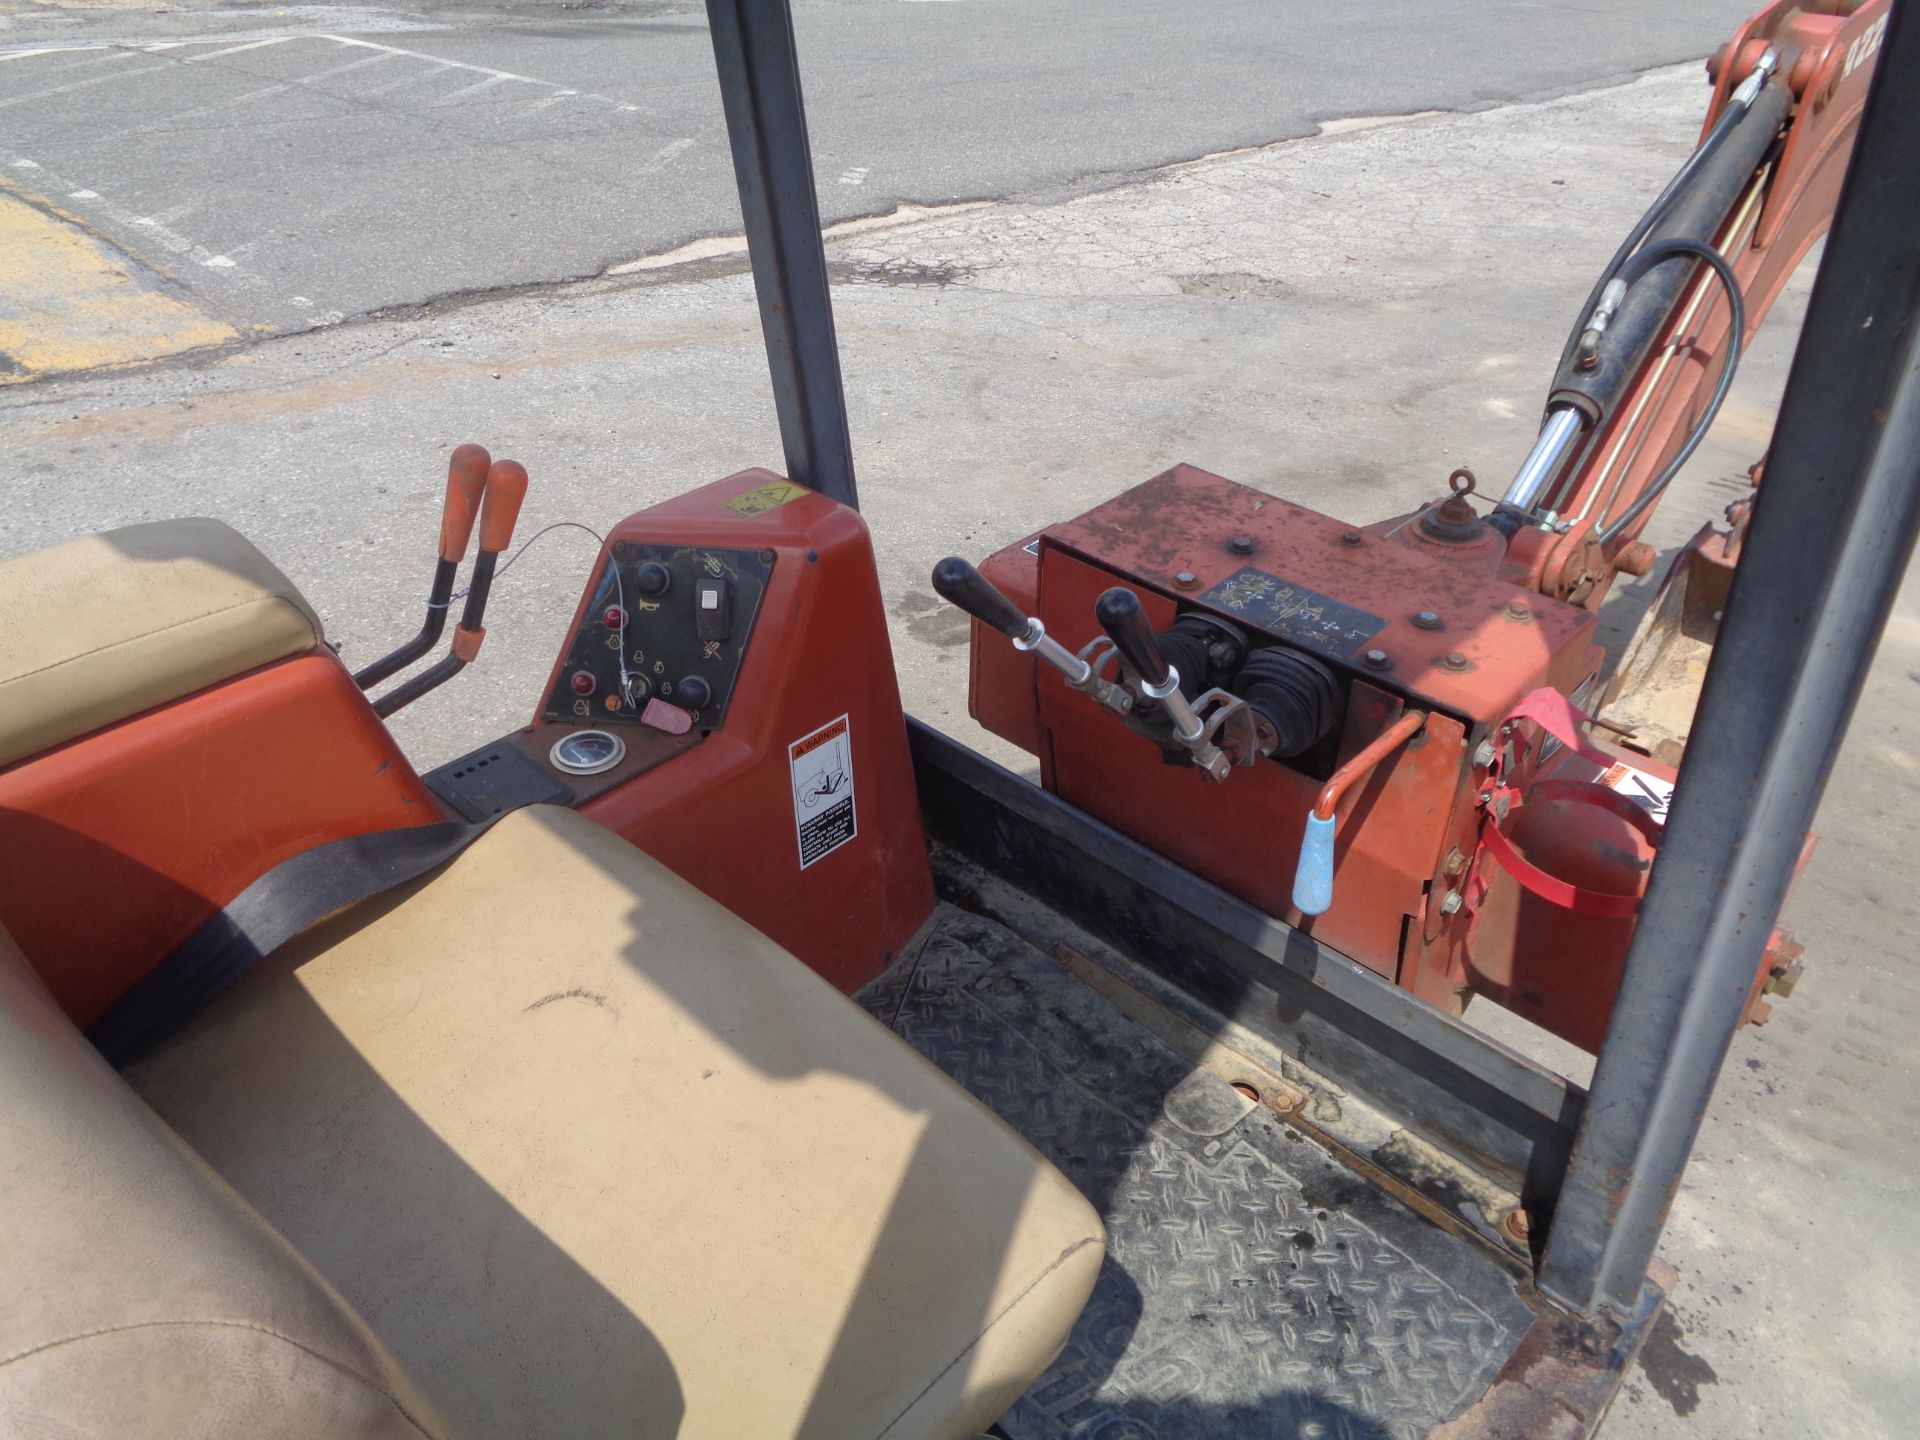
x=70, y=302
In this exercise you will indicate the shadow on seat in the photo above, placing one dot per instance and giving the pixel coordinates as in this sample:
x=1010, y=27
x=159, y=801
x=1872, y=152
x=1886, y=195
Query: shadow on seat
x=596, y=1158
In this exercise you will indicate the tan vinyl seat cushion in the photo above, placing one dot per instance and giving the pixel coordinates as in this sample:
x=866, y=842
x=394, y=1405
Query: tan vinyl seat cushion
x=106, y=626
x=595, y=1158
x=140, y=1298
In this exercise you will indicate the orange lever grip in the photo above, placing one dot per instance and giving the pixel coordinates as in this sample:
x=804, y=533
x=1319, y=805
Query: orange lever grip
x=466, y=643
x=466, y=478
x=506, y=488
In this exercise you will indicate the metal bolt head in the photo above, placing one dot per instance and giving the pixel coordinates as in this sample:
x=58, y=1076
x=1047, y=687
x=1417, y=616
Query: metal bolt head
x=1518, y=610
x=1427, y=620
x=1517, y=1225
x=1376, y=660
x=1451, y=903
x=1454, y=660
x=1241, y=544
x=1351, y=537
x=1187, y=580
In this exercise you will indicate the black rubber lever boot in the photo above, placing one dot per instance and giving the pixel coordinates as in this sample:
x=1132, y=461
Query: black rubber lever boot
x=1297, y=694
x=1206, y=652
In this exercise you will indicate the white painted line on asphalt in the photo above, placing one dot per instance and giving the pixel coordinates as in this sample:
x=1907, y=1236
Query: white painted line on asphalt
x=562, y=93
x=80, y=84
x=101, y=58
x=165, y=121
x=236, y=49
x=409, y=79
x=419, y=55
x=343, y=69
x=661, y=156
x=94, y=204
x=486, y=84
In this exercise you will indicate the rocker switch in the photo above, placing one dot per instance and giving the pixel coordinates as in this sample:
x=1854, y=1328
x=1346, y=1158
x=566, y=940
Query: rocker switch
x=712, y=609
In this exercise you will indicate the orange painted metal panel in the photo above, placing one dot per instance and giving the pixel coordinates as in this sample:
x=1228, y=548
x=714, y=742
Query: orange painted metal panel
x=119, y=845
x=721, y=814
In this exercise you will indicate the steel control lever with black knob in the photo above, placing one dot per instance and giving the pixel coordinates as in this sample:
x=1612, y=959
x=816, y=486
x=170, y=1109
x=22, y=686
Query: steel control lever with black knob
x=1120, y=614
x=960, y=585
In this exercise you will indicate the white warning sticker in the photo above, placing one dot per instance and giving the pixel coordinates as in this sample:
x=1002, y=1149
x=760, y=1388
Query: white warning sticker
x=822, y=767
x=1649, y=792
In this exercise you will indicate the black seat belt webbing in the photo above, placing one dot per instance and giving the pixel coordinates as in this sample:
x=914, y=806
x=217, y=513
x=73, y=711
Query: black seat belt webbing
x=298, y=892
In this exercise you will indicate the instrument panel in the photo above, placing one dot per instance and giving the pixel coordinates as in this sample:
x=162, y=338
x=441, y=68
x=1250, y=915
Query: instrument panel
x=666, y=624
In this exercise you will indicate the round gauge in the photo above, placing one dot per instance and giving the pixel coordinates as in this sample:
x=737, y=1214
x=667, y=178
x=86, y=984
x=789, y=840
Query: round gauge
x=587, y=752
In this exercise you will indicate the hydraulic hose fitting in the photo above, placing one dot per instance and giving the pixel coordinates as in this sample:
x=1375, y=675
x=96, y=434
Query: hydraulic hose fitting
x=1763, y=70
x=1587, y=353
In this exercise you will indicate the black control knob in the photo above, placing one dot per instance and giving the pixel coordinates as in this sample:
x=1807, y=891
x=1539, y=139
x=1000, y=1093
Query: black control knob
x=958, y=583
x=692, y=693
x=1120, y=615
x=652, y=578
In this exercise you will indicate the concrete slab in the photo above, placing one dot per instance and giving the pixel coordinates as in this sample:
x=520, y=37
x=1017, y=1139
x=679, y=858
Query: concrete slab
x=1341, y=320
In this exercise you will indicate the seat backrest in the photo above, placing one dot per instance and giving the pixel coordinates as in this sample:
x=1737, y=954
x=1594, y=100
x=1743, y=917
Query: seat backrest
x=108, y=625
x=142, y=1296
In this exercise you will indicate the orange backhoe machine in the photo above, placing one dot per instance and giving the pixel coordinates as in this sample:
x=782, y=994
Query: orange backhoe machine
x=541, y=1094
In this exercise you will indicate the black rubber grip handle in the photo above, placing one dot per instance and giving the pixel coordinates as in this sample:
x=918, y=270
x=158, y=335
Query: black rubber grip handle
x=1120, y=615
x=958, y=583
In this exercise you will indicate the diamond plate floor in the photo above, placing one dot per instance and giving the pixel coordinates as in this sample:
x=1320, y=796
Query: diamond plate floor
x=1254, y=1287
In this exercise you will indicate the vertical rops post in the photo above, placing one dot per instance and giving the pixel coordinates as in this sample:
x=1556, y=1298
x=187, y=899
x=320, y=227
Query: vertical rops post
x=753, y=53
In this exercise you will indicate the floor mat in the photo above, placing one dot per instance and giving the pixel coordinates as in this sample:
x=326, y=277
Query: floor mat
x=1253, y=1287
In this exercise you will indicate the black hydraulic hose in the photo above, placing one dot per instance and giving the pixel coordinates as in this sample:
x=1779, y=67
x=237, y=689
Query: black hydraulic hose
x=1723, y=127
x=1659, y=253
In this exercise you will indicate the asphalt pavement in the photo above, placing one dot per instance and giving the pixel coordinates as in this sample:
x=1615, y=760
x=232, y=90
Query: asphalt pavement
x=283, y=168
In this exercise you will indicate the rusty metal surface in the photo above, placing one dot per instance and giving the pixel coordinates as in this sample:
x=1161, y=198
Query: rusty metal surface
x=1563, y=1376
x=1186, y=519
x=1245, y=835
x=1253, y=1286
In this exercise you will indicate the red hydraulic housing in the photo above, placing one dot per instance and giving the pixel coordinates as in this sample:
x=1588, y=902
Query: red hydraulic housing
x=1395, y=737
x=1442, y=671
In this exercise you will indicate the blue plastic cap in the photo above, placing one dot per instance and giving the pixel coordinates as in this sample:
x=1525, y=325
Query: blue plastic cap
x=1313, y=881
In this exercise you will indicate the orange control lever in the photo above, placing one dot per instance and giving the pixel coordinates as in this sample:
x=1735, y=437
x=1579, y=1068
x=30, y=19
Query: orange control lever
x=500, y=501
x=506, y=489
x=1313, y=875
x=1381, y=746
x=466, y=478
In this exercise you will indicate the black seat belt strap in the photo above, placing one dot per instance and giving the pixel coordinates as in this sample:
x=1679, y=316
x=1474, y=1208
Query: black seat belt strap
x=298, y=892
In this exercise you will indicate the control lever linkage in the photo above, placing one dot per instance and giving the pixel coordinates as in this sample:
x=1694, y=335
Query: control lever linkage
x=960, y=585
x=1218, y=730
